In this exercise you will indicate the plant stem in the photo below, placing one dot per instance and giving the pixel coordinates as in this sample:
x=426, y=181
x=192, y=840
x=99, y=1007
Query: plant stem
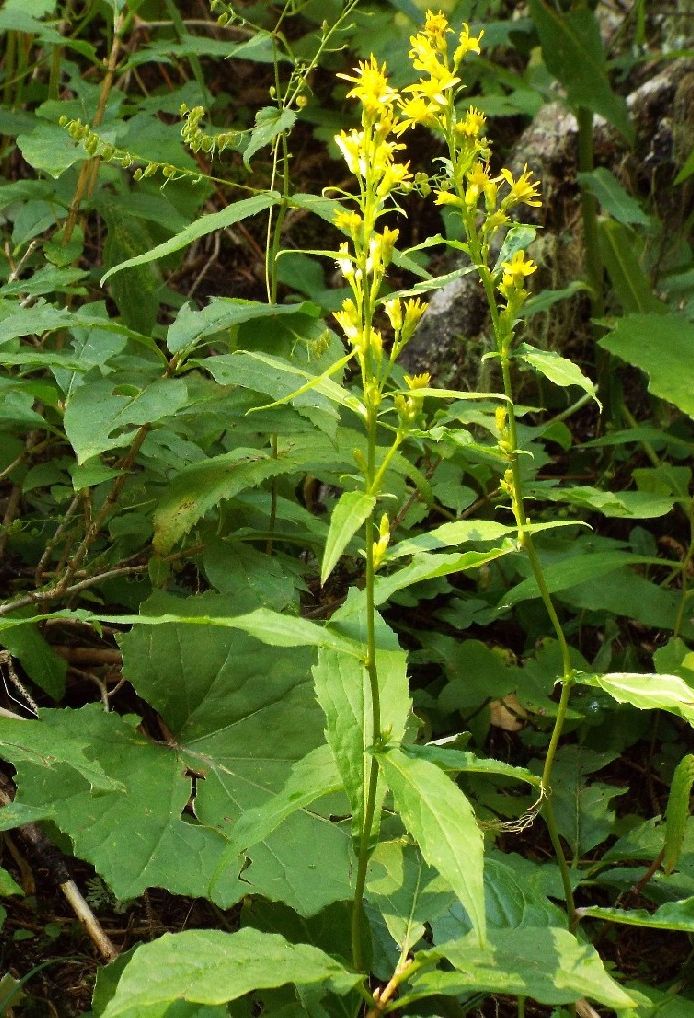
x=370, y=765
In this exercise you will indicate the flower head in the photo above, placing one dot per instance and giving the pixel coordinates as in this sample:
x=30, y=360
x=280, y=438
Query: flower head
x=371, y=85
x=522, y=191
x=466, y=44
x=515, y=271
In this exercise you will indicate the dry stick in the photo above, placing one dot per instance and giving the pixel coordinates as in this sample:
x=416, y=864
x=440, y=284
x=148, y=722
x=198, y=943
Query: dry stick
x=50, y=545
x=48, y=855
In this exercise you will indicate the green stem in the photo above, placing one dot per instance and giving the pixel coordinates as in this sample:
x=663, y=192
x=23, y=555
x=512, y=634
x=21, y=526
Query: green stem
x=686, y=562
x=370, y=765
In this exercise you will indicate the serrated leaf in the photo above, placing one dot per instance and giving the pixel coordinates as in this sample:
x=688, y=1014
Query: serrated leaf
x=50, y=149
x=555, y=368
x=269, y=123
x=673, y=915
x=191, y=325
x=660, y=345
x=545, y=963
x=572, y=49
x=211, y=967
x=613, y=196
x=427, y=567
x=38, y=743
x=343, y=691
x=646, y=691
x=440, y=818
x=461, y=761
x=99, y=418
x=619, y=253
x=351, y=511
x=200, y=228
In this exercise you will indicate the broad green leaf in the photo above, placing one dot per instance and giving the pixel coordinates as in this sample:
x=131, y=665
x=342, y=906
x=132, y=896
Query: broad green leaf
x=440, y=818
x=212, y=967
x=344, y=692
x=40, y=744
x=613, y=196
x=545, y=963
x=677, y=811
x=200, y=228
x=465, y=532
x=239, y=714
x=352, y=509
x=191, y=326
x=16, y=814
x=619, y=252
x=639, y=505
x=518, y=238
x=555, y=368
x=269, y=123
x=571, y=571
x=572, y=50
x=99, y=418
x=405, y=891
x=673, y=915
x=660, y=345
x=583, y=808
x=50, y=149
x=38, y=658
x=646, y=691
x=310, y=778
x=8, y=885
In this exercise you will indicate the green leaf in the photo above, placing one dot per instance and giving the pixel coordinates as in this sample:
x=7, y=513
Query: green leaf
x=677, y=811
x=8, y=885
x=572, y=50
x=440, y=818
x=347, y=517
x=637, y=505
x=200, y=228
x=555, y=368
x=461, y=761
x=584, y=812
x=613, y=196
x=545, y=963
x=191, y=326
x=660, y=345
x=99, y=418
x=343, y=690
x=50, y=149
x=427, y=567
x=310, y=778
x=517, y=238
x=269, y=123
x=646, y=691
x=211, y=967
x=673, y=915
x=620, y=255
x=570, y=571
x=38, y=743
x=37, y=657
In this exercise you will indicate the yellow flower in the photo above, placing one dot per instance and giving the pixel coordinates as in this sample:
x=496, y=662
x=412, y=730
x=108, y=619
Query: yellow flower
x=472, y=125
x=418, y=381
x=417, y=111
x=524, y=190
x=348, y=320
x=447, y=198
x=436, y=27
x=414, y=309
x=393, y=308
x=350, y=222
x=371, y=85
x=466, y=44
x=515, y=270
x=434, y=90
x=351, y=145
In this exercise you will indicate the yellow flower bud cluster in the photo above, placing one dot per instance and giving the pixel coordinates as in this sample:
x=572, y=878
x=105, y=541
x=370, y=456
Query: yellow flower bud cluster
x=381, y=545
x=409, y=406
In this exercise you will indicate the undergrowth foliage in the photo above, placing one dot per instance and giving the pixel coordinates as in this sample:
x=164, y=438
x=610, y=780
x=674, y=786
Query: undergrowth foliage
x=388, y=815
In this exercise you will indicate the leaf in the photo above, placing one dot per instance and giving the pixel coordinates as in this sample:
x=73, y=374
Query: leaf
x=239, y=714
x=638, y=505
x=613, y=196
x=518, y=238
x=555, y=368
x=545, y=963
x=646, y=691
x=191, y=325
x=211, y=967
x=461, y=761
x=38, y=743
x=620, y=256
x=570, y=571
x=269, y=123
x=310, y=778
x=405, y=891
x=584, y=812
x=677, y=811
x=37, y=657
x=200, y=228
x=673, y=915
x=99, y=418
x=352, y=509
x=572, y=50
x=440, y=818
x=427, y=567
x=8, y=885
x=660, y=345
x=50, y=149
x=344, y=693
